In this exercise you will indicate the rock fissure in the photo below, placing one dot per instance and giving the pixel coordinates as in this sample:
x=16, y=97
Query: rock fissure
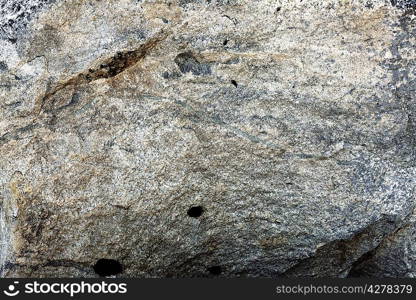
x=108, y=68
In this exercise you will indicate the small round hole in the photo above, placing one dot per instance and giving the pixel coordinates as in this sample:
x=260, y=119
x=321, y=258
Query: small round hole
x=234, y=83
x=215, y=270
x=195, y=211
x=225, y=42
x=107, y=267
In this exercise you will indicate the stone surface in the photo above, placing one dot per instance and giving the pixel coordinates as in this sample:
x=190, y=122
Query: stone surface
x=287, y=126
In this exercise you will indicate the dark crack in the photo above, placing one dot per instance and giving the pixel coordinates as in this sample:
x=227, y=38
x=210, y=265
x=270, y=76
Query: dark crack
x=344, y=253
x=108, y=68
x=358, y=267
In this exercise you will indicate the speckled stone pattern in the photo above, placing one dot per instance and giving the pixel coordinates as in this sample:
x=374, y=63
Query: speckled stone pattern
x=16, y=14
x=236, y=138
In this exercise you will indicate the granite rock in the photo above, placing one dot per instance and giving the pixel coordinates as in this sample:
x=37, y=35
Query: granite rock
x=232, y=138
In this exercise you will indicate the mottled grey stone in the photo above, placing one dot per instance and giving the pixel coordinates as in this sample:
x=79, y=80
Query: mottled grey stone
x=207, y=138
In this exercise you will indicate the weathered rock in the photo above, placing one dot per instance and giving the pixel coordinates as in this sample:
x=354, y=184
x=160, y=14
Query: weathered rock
x=204, y=138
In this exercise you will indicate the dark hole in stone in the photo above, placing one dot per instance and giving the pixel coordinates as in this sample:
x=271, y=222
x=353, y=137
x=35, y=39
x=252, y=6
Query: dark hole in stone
x=215, y=270
x=225, y=42
x=278, y=9
x=107, y=267
x=234, y=83
x=195, y=211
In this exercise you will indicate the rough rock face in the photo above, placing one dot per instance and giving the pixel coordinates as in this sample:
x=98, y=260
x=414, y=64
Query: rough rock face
x=203, y=138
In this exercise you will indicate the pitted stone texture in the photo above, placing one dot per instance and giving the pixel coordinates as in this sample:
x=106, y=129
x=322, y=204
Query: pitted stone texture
x=291, y=123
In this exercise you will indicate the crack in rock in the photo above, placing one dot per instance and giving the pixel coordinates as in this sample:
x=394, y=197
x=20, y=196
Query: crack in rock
x=110, y=67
